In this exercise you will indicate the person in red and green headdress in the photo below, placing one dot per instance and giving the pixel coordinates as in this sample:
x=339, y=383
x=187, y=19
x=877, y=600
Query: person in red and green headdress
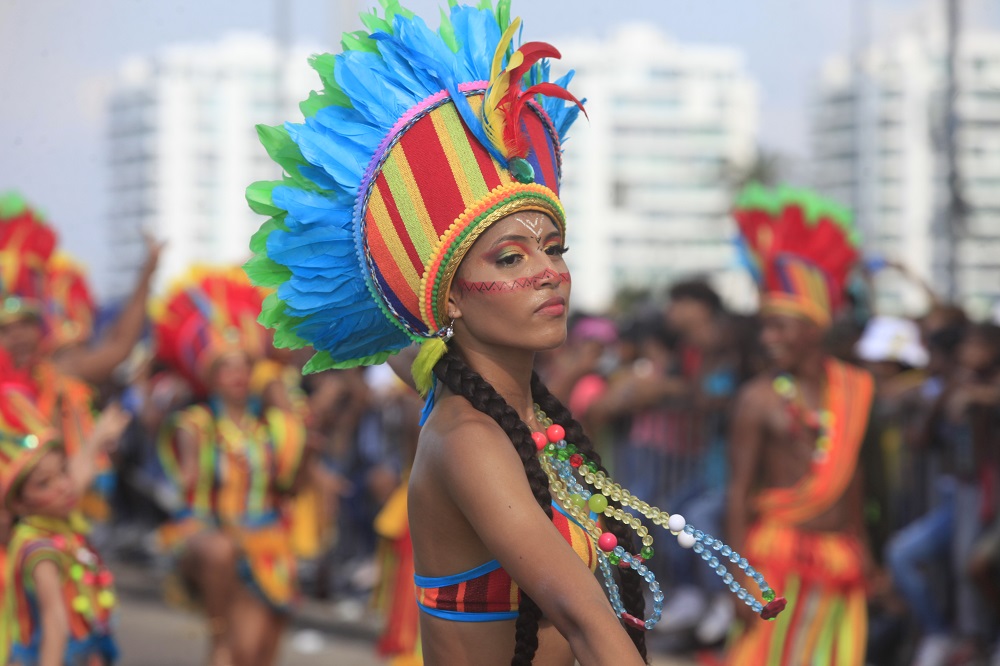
x=795, y=495
x=234, y=462
x=57, y=595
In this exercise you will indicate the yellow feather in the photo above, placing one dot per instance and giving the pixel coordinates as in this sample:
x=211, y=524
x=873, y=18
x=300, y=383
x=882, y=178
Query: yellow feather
x=505, y=40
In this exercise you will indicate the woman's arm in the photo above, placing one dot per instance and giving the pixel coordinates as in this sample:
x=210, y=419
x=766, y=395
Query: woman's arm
x=52, y=613
x=95, y=364
x=486, y=480
x=103, y=438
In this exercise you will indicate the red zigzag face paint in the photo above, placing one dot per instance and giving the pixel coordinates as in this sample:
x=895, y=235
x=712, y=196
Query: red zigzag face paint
x=503, y=286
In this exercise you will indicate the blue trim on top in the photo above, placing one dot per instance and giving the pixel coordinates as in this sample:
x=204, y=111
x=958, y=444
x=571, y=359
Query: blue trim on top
x=460, y=616
x=454, y=579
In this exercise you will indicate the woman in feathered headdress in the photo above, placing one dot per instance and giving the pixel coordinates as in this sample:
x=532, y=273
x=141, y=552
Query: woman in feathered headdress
x=233, y=461
x=420, y=204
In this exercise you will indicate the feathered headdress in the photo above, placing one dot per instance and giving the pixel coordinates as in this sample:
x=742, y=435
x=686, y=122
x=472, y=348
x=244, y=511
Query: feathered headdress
x=801, y=249
x=206, y=313
x=26, y=244
x=69, y=304
x=418, y=142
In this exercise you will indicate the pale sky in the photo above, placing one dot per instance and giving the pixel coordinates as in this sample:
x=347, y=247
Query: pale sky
x=57, y=58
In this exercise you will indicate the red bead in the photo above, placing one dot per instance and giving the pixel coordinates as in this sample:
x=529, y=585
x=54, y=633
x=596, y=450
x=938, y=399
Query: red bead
x=576, y=460
x=556, y=433
x=634, y=622
x=59, y=542
x=540, y=440
x=88, y=578
x=772, y=609
x=105, y=578
x=607, y=542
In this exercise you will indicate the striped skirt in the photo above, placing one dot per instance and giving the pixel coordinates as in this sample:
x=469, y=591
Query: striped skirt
x=826, y=620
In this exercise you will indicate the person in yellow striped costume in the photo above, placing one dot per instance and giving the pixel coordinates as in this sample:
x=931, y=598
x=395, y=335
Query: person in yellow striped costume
x=235, y=464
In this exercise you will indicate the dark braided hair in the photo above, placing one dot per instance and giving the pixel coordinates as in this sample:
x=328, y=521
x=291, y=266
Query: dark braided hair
x=462, y=380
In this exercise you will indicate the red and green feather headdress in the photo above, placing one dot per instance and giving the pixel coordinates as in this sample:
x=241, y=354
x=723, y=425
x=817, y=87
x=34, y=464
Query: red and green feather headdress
x=801, y=249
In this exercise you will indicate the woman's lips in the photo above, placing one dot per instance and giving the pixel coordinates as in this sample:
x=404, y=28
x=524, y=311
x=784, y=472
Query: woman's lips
x=554, y=307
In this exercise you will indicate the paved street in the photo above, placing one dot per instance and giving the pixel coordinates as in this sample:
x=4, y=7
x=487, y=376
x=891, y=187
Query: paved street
x=151, y=634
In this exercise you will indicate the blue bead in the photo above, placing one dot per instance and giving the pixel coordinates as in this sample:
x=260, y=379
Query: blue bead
x=699, y=535
x=649, y=624
x=721, y=570
x=743, y=564
x=750, y=571
x=650, y=577
x=742, y=594
x=658, y=596
x=689, y=529
x=698, y=547
x=726, y=551
x=759, y=578
x=642, y=569
x=714, y=562
x=706, y=555
x=708, y=539
x=728, y=578
x=734, y=586
x=717, y=545
x=734, y=557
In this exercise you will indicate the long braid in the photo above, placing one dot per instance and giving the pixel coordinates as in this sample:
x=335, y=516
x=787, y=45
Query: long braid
x=461, y=380
x=631, y=588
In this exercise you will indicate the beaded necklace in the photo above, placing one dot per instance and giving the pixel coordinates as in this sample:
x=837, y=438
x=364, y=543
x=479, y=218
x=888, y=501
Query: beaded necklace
x=566, y=467
x=819, y=421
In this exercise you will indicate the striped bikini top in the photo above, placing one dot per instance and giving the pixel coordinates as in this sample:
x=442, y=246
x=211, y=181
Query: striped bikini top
x=487, y=593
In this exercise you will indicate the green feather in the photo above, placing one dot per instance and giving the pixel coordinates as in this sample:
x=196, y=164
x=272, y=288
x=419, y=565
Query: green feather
x=447, y=32
x=259, y=197
x=265, y=272
x=358, y=41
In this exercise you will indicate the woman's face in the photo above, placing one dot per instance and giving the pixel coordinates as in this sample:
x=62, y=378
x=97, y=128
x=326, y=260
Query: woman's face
x=512, y=288
x=231, y=377
x=48, y=489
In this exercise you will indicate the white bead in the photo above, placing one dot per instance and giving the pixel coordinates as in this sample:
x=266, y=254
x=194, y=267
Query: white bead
x=685, y=540
x=676, y=522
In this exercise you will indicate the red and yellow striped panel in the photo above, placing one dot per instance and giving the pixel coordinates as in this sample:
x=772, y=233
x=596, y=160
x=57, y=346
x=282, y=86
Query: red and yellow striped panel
x=434, y=173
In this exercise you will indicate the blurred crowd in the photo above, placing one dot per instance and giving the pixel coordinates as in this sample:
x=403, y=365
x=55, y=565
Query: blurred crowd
x=655, y=385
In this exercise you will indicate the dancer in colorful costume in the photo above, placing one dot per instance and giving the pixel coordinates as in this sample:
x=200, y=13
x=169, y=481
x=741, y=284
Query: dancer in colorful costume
x=234, y=464
x=58, y=596
x=795, y=495
x=420, y=204
x=46, y=322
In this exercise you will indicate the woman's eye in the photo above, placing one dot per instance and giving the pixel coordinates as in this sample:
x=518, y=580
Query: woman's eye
x=509, y=260
x=556, y=250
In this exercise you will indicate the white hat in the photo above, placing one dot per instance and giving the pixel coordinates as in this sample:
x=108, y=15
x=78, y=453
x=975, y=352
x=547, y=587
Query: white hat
x=892, y=339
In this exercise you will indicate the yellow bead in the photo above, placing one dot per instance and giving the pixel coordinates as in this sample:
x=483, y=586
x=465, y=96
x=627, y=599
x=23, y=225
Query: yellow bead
x=641, y=530
x=81, y=604
x=647, y=540
x=616, y=496
x=106, y=599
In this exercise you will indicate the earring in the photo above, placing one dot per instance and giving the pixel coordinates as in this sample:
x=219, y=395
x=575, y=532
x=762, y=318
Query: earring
x=447, y=332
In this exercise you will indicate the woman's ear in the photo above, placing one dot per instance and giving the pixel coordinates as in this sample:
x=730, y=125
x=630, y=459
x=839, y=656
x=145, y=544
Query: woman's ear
x=454, y=310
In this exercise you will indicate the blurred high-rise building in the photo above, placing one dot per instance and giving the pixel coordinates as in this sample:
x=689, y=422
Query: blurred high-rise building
x=182, y=148
x=648, y=180
x=879, y=140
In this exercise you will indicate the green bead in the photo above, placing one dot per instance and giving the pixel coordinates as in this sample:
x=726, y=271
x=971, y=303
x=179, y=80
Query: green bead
x=646, y=552
x=571, y=448
x=550, y=449
x=522, y=171
x=76, y=572
x=592, y=466
x=598, y=503
x=769, y=595
x=614, y=559
x=579, y=501
x=562, y=454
